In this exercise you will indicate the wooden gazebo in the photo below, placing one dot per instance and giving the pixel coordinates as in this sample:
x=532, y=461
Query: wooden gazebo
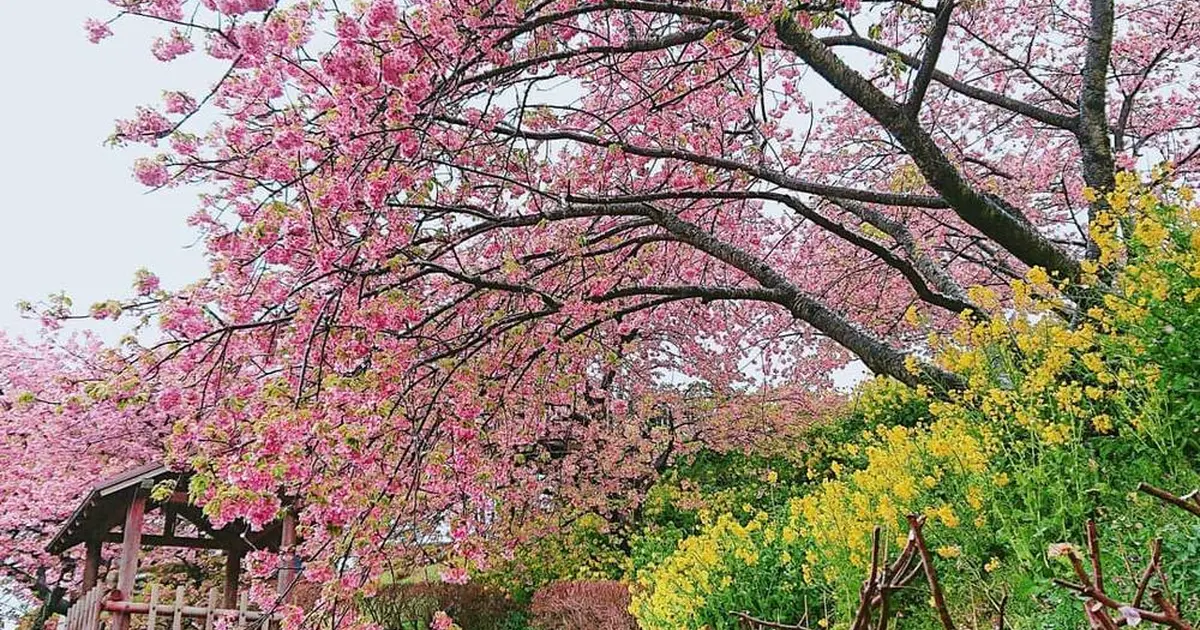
x=124, y=502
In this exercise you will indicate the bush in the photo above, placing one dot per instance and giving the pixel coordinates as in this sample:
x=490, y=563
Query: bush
x=582, y=606
x=472, y=606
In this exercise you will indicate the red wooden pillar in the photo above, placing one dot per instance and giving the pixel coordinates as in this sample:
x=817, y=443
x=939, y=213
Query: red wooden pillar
x=233, y=572
x=131, y=544
x=287, y=556
x=91, y=565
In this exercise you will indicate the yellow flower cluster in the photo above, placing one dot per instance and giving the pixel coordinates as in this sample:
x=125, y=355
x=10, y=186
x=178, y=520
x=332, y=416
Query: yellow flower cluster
x=674, y=593
x=937, y=471
x=1028, y=364
x=1047, y=365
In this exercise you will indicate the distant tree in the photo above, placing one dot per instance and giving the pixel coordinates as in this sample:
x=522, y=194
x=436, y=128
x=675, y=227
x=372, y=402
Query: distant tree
x=68, y=419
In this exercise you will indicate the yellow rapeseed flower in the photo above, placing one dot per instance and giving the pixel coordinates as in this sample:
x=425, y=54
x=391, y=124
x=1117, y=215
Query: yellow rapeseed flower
x=951, y=551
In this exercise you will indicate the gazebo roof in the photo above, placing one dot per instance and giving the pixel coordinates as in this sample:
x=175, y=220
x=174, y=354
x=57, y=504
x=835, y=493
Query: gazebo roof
x=104, y=506
x=106, y=503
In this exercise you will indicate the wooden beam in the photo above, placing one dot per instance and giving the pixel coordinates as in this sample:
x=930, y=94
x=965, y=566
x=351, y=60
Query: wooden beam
x=131, y=544
x=233, y=573
x=233, y=533
x=169, y=518
x=91, y=565
x=287, y=556
x=142, y=608
x=154, y=540
x=195, y=516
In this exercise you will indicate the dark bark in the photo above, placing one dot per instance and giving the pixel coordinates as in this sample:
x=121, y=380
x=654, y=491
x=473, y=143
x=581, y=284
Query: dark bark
x=879, y=356
x=1093, y=131
x=773, y=176
x=933, y=49
x=1029, y=110
x=1011, y=232
x=931, y=284
x=926, y=266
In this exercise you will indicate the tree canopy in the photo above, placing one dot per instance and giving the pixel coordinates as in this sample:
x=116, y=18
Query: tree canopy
x=478, y=265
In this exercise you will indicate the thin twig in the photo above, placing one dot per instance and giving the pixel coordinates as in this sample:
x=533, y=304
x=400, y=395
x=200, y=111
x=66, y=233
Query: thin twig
x=1169, y=609
x=1163, y=495
x=1093, y=541
x=998, y=624
x=755, y=622
x=1144, y=582
x=862, y=618
x=939, y=600
x=1095, y=612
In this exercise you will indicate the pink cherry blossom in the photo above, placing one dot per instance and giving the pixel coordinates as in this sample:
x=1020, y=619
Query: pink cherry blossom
x=172, y=46
x=145, y=282
x=151, y=172
x=482, y=254
x=62, y=401
x=455, y=575
x=97, y=30
x=441, y=621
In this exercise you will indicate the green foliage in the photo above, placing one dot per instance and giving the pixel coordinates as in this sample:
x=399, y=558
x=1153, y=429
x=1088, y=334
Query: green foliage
x=833, y=444
x=589, y=549
x=1061, y=419
x=704, y=484
x=698, y=485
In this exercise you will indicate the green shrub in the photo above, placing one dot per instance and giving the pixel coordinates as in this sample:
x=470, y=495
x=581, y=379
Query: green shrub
x=1060, y=419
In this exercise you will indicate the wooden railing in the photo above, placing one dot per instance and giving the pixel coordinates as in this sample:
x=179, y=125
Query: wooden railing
x=85, y=613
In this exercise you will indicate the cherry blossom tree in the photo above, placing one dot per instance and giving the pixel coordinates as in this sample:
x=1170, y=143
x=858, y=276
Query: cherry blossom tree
x=481, y=264
x=70, y=415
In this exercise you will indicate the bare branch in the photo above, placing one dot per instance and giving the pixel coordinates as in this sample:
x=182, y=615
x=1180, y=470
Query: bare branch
x=933, y=49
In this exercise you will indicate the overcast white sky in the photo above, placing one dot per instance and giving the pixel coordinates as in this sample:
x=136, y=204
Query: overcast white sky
x=71, y=216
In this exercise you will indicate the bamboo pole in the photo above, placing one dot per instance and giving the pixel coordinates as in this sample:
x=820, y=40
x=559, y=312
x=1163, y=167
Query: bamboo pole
x=152, y=615
x=212, y=606
x=177, y=609
x=98, y=595
x=90, y=610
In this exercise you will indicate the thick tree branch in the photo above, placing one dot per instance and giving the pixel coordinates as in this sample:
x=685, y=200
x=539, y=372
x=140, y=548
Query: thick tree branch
x=916, y=273
x=1012, y=232
x=768, y=175
x=928, y=268
x=1093, y=132
x=702, y=293
x=1029, y=110
x=933, y=49
x=878, y=355
x=633, y=46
